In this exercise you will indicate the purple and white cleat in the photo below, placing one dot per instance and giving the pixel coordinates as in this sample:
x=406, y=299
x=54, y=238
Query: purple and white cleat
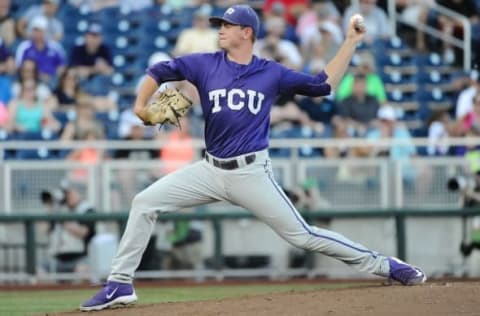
x=404, y=273
x=113, y=294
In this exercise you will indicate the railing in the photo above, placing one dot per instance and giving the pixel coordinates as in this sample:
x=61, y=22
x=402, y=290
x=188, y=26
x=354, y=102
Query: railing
x=464, y=44
x=399, y=216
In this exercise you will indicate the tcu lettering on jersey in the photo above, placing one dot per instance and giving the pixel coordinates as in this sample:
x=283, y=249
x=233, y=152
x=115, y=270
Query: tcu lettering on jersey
x=236, y=99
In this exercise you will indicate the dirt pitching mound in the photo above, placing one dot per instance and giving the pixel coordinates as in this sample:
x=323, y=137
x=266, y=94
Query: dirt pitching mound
x=455, y=298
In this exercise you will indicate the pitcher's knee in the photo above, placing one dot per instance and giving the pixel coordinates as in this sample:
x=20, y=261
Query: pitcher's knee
x=300, y=241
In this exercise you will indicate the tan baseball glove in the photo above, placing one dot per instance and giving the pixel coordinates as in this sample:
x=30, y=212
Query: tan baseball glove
x=166, y=107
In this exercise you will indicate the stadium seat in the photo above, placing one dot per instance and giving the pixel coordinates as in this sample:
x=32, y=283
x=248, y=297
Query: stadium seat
x=63, y=117
x=109, y=121
x=7, y=153
x=41, y=153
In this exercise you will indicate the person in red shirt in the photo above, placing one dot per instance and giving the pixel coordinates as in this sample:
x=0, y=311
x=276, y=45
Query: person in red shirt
x=292, y=8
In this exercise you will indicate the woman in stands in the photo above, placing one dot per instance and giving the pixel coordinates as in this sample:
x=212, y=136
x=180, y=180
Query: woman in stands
x=68, y=92
x=28, y=113
x=28, y=70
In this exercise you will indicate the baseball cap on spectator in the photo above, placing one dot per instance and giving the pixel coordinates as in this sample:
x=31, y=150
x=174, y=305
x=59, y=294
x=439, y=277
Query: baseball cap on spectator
x=332, y=29
x=387, y=112
x=94, y=28
x=240, y=14
x=204, y=11
x=39, y=22
x=278, y=8
x=158, y=57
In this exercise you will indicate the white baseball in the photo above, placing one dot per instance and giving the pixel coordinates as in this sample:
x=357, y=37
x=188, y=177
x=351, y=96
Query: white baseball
x=358, y=22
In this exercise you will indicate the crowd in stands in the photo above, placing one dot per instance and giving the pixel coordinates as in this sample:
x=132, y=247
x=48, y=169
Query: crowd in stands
x=71, y=67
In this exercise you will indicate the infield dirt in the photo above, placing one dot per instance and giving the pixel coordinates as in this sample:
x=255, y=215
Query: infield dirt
x=439, y=298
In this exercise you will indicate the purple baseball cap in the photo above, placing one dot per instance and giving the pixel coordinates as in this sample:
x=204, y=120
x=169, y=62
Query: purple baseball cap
x=240, y=14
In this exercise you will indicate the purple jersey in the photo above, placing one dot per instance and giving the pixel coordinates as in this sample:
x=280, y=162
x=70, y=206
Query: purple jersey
x=48, y=60
x=236, y=99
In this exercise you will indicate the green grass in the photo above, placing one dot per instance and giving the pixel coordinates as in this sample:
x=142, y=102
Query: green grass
x=20, y=303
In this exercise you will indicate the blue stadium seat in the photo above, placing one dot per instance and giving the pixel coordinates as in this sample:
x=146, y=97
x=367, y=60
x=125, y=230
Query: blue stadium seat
x=435, y=94
x=433, y=77
x=41, y=153
x=63, y=117
x=397, y=95
x=109, y=121
x=431, y=59
x=5, y=137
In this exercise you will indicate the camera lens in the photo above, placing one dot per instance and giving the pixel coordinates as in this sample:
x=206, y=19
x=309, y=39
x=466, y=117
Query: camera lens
x=46, y=197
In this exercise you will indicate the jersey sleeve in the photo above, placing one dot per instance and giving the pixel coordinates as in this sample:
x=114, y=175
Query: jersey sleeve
x=300, y=83
x=182, y=68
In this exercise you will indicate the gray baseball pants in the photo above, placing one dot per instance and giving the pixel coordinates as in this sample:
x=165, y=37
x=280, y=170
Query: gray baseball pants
x=251, y=186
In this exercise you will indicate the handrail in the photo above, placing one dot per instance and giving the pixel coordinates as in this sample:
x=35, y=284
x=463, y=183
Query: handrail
x=293, y=143
x=118, y=216
x=398, y=214
x=465, y=44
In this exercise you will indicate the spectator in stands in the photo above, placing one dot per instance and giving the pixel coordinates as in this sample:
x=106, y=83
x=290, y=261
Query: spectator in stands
x=274, y=47
x=415, y=12
x=131, y=128
x=471, y=121
x=293, y=9
x=68, y=241
x=90, y=155
x=48, y=55
x=49, y=8
x=340, y=132
x=28, y=70
x=92, y=60
x=465, y=99
x=452, y=26
x=287, y=113
x=360, y=109
x=127, y=5
x=187, y=251
x=330, y=37
x=200, y=37
x=278, y=10
x=402, y=149
x=7, y=68
x=318, y=11
x=92, y=6
x=68, y=91
x=374, y=85
x=319, y=109
x=439, y=129
x=178, y=149
x=4, y=117
x=8, y=33
x=93, y=57
x=320, y=30
x=83, y=123
x=28, y=114
x=376, y=21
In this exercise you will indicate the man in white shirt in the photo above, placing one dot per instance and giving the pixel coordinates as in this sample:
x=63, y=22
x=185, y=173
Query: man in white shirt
x=465, y=99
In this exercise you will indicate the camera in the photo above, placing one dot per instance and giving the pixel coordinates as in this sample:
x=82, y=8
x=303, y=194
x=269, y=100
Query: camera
x=55, y=196
x=469, y=188
x=462, y=183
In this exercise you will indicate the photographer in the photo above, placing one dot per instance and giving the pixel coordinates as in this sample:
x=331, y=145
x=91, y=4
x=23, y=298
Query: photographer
x=68, y=241
x=469, y=189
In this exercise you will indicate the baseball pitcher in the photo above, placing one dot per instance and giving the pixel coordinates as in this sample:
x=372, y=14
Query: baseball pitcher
x=236, y=89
